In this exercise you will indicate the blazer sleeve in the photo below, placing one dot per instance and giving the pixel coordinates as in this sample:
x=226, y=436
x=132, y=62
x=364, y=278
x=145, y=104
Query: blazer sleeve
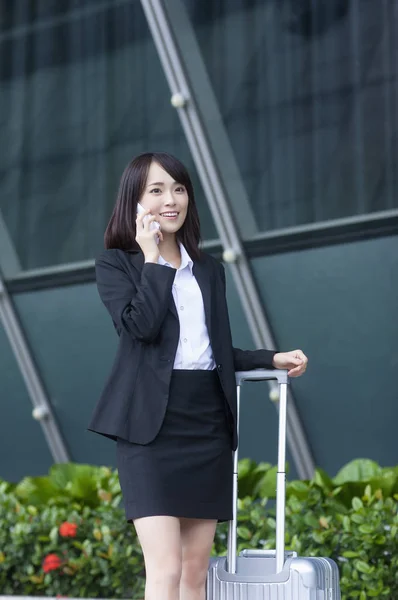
x=247, y=360
x=137, y=307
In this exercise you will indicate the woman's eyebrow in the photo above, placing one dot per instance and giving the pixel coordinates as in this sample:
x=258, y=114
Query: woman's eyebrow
x=162, y=183
x=156, y=183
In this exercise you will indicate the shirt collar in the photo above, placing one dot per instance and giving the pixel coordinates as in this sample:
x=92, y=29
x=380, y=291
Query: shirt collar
x=186, y=260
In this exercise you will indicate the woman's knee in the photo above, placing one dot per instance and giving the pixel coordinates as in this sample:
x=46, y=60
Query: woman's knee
x=166, y=572
x=194, y=571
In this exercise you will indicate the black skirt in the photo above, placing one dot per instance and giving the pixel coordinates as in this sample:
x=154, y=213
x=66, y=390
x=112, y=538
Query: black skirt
x=186, y=471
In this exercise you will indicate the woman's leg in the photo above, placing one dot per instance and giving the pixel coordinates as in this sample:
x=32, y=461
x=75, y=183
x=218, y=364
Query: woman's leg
x=160, y=540
x=197, y=537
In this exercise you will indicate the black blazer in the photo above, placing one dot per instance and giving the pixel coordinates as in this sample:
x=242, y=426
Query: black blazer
x=139, y=299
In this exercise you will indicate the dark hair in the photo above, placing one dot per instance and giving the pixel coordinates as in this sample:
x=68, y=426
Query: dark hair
x=121, y=229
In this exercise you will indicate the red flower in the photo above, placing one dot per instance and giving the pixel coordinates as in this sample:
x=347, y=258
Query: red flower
x=68, y=529
x=51, y=563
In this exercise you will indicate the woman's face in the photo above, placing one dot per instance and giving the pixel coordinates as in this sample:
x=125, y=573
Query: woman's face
x=165, y=198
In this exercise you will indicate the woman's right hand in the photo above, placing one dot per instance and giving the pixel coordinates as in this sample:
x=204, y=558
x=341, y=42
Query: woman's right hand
x=146, y=237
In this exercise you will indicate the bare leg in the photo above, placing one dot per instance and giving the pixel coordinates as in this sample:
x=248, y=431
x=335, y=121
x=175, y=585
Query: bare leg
x=160, y=540
x=197, y=537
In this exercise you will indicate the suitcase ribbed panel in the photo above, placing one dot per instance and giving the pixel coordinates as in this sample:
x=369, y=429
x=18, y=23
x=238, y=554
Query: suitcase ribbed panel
x=308, y=579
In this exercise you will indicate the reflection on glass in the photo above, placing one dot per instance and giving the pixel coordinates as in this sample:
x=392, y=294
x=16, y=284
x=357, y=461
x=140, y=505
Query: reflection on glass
x=82, y=91
x=307, y=92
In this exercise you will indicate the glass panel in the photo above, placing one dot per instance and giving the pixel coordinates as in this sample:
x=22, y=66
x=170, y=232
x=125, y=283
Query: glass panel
x=339, y=305
x=258, y=418
x=23, y=447
x=74, y=345
x=82, y=91
x=307, y=92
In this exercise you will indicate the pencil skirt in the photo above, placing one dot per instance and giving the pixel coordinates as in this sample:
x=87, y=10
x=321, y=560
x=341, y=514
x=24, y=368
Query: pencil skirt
x=187, y=470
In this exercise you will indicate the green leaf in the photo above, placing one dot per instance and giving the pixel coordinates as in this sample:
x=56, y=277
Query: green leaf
x=318, y=537
x=356, y=518
x=300, y=489
x=244, y=533
x=357, y=470
x=323, y=480
x=266, y=486
x=245, y=467
x=311, y=520
x=366, y=529
x=81, y=481
x=357, y=503
x=363, y=567
x=380, y=539
x=54, y=535
x=271, y=523
x=35, y=490
x=250, y=474
x=350, y=554
x=368, y=492
x=346, y=523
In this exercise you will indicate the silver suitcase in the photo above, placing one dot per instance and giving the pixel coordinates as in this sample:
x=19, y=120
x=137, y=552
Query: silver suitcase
x=270, y=574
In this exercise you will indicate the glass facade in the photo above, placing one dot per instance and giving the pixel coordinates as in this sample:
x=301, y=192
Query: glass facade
x=24, y=450
x=82, y=92
x=338, y=303
x=74, y=345
x=308, y=95
x=297, y=103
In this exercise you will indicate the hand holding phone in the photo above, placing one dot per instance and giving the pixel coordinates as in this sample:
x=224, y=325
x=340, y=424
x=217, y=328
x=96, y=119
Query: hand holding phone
x=153, y=225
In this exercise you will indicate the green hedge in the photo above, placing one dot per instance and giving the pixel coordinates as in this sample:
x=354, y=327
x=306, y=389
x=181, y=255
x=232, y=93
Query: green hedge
x=65, y=534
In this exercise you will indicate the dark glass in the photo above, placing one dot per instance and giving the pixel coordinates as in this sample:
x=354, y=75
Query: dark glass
x=338, y=304
x=81, y=92
x=258, y=432
x=24, y=450
x=74, y=345
x=307, y=90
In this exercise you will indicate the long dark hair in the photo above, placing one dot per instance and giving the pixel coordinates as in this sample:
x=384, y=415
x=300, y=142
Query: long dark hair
x=121, y=229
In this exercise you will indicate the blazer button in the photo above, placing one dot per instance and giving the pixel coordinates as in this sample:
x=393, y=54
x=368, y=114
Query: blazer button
x=219, y=367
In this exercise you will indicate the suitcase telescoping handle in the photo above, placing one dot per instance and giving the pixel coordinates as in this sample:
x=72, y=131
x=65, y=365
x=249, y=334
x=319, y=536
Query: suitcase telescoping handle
x=283, y=380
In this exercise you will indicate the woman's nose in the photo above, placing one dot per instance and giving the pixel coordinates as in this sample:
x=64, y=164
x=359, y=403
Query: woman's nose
x=170, y=199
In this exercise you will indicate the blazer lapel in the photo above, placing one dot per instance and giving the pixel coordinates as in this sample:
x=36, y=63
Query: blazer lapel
x=202, y=275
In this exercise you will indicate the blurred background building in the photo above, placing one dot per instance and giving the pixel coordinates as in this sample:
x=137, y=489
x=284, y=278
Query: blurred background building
x=286, y=114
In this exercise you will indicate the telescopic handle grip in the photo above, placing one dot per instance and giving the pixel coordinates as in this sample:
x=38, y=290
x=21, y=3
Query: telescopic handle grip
x=263, y=375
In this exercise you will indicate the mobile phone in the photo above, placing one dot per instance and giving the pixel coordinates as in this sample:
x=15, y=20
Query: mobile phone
x=154, y=224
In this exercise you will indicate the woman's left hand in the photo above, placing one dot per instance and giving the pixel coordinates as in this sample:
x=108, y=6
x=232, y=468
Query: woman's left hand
x=295, y=361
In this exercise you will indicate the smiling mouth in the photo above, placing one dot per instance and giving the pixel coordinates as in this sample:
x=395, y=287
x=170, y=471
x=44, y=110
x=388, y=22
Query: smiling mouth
x=169, y=215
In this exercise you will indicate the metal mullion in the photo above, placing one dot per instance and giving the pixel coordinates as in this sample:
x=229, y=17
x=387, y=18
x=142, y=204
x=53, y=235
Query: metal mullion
x=158, y=19
x=360, y=187
x=9, y=260
x=219, y=206
x=42, y=406
x=190, y=122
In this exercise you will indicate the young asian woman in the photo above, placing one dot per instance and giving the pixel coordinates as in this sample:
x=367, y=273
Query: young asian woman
x=170, y=399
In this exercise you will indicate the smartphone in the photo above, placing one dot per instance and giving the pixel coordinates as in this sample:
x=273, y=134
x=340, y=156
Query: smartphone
x=154, y=225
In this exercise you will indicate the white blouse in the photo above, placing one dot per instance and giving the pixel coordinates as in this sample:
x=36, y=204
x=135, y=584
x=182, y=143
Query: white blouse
x=194, y=350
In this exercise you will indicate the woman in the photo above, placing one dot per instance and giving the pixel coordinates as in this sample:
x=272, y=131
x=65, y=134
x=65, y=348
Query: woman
x=170, y=400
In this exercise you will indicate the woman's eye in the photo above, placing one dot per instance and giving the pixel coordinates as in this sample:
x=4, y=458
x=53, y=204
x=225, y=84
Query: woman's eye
x=180, y=189
x=155, y=190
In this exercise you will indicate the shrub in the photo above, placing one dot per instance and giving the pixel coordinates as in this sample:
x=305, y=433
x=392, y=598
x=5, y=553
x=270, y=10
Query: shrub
x=100, y=559
x=66, y=534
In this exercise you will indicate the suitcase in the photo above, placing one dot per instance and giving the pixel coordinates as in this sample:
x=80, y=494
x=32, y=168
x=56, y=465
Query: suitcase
x=270, y=574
